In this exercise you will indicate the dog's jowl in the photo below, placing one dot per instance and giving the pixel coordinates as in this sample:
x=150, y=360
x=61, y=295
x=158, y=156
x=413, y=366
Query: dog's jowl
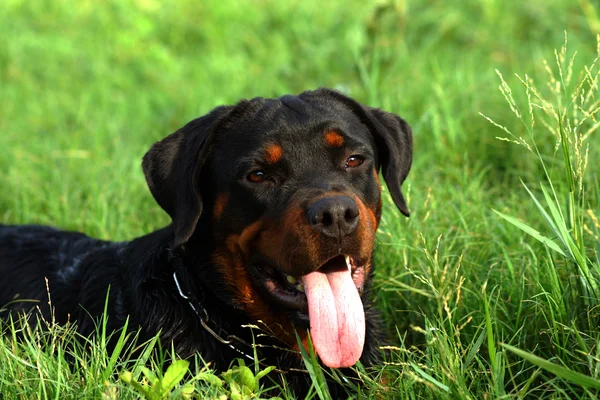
x=274, y=206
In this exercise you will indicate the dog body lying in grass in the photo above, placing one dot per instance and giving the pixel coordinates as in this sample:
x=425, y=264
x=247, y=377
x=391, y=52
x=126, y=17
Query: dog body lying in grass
x=274, y=206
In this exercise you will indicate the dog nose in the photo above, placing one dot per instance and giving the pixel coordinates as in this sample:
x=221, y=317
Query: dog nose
x=334, y=216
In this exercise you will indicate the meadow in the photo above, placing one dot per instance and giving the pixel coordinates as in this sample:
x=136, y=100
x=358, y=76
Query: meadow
x=491, y=289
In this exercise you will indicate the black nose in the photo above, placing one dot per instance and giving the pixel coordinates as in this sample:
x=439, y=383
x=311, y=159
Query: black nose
x=335, y=216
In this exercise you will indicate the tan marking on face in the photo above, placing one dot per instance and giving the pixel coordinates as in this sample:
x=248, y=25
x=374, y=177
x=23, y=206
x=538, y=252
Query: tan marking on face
x=367, y=226
x=291, y=239
x=376, y=175
x=231, y=260
x=334, y=139
x=219, y=206
x=380, y=203
x=273, y=153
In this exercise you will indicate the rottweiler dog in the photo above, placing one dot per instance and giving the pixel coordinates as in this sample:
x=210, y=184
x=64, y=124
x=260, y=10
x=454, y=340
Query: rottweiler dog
x=274, y=206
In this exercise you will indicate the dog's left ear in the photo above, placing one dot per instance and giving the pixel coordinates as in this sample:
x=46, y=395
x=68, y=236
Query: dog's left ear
x=172, y=168
x=393, y=138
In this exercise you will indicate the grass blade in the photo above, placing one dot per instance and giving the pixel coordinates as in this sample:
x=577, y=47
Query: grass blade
x=532, y=232
x=562, y=372
x=429, y=378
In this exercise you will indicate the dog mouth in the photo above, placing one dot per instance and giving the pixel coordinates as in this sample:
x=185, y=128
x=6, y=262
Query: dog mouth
x=327, y=300
x=289, y=291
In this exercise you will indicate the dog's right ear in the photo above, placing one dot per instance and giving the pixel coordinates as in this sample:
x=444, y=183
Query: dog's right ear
x=172, y=169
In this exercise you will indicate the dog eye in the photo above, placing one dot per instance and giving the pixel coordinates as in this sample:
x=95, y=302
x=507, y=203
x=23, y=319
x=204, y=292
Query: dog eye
x=257, y=176
x=354, y=161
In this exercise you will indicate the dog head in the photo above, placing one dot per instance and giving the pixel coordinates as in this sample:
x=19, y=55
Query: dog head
x=291, y=193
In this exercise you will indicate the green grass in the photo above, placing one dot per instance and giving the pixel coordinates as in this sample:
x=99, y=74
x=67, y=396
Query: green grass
x=490, y=290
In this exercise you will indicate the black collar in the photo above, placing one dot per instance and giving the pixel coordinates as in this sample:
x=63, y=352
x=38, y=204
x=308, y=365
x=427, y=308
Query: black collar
x=234, y=342
x=202, y=315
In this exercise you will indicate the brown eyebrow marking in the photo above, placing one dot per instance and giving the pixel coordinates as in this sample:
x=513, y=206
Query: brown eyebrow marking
x=273, y=153
x=334, y=139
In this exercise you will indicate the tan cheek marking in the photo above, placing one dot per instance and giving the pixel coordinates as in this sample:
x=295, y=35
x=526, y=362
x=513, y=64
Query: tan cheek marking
x=367, y=269
x=220, y=204
x=376, y=174
x=273, y=154
x=291, y=233
x=366, y=228
x=380, y=204
x=247, y=237
x=334, y=139
x=234, y=276
x=364, y=210
x=231, y=260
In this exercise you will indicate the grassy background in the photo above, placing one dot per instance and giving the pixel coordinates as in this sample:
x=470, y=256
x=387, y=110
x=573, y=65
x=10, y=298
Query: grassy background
x=86, y=87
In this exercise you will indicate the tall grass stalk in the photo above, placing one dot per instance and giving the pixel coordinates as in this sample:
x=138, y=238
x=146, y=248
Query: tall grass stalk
x=564, y=111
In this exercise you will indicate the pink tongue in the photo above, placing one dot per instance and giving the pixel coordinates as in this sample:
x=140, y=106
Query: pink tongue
x=337, y=317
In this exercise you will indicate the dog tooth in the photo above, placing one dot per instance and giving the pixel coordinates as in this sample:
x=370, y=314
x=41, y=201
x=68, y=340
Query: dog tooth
x=348, y=262
x=300, y=287
x=291, y=279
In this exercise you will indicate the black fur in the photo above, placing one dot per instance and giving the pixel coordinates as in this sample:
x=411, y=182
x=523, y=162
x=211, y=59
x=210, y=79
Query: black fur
x=185, y=172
